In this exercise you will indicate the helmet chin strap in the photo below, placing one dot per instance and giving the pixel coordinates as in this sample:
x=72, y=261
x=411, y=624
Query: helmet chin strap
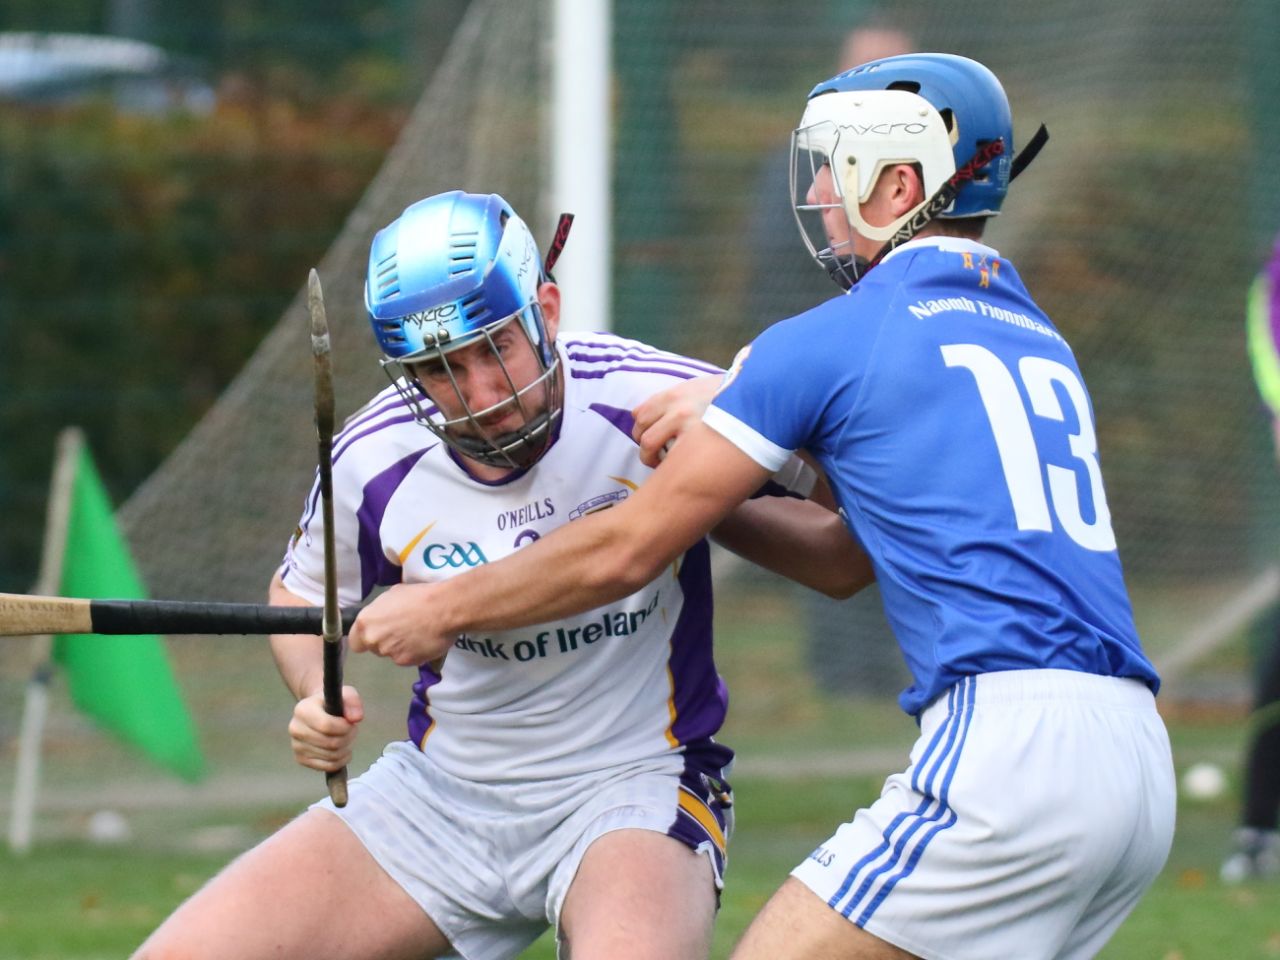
x=520, y=448
x=930, y=209
x=844, y=270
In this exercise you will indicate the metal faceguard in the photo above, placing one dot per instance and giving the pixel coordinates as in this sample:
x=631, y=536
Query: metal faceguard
x=540, y=402
x=450, y=272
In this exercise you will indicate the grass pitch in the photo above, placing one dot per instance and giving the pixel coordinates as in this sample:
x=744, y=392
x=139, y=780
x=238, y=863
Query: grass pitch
x=796, y=779
x=72, y=901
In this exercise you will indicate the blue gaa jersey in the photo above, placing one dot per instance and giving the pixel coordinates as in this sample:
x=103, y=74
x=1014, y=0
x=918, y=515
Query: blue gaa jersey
x=953, y=423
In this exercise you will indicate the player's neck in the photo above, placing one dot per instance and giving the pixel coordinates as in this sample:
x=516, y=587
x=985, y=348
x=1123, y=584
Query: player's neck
x=496, y=473
x=485, y=472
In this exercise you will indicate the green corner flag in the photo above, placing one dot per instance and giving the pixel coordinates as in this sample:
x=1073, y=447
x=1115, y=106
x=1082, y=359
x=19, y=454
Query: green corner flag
x=124, y=683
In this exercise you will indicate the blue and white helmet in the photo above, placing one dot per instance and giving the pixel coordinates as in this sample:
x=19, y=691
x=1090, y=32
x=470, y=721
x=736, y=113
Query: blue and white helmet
x=937, y=110
x=450, y=272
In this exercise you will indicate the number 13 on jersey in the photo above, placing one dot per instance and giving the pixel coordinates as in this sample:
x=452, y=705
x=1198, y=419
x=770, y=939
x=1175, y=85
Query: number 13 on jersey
x=1015, y=442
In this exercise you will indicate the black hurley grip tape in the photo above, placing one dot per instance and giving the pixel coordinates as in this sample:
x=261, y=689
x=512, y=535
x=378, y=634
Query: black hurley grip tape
x=185, y=617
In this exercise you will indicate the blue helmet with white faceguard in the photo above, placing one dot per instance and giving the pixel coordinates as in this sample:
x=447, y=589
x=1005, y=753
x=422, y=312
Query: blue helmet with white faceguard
x=937, y=110
x=449, y=273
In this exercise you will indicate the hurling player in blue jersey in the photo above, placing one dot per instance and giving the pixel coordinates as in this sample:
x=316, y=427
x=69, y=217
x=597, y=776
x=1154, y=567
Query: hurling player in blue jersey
x=953, y=425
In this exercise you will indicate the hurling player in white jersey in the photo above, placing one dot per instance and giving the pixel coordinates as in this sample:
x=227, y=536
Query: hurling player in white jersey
x=952, y=422
x=565, y=774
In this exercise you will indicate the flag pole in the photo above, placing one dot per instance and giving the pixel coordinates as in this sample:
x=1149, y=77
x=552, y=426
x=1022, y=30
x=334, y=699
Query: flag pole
x=36, y=705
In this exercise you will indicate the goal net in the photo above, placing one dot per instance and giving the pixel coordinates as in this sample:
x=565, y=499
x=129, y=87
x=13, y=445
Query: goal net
x=1138, y=229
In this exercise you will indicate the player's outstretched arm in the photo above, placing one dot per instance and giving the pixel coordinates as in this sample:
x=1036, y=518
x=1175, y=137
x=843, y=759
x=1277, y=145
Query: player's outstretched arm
x=592, y=561
x=319, y=741
x=799, y=540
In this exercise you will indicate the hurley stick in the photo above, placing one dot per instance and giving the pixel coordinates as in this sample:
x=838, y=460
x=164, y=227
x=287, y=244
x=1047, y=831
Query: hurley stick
x=331, y=621
x=23, y=615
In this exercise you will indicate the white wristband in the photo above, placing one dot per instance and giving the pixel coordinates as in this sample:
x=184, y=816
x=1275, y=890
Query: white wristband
x=796, y=477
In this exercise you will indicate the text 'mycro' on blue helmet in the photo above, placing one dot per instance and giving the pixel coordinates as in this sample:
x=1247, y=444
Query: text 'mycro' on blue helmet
x=448, y=267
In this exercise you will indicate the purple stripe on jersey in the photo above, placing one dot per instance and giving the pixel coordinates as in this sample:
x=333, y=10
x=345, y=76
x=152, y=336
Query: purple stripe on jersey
x=338, y=452
x=313, y=500
x=1273, y=277
x=646, y=356
x=378, y=409
x=599, y=374
x=699, y=695
x=622, y=419
x=375, y=568
x=343, y=441
x=420, y=719
x=610, y=342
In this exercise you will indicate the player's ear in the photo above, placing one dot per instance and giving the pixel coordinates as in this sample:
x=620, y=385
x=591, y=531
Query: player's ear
x=549, y=299
x=909, y=181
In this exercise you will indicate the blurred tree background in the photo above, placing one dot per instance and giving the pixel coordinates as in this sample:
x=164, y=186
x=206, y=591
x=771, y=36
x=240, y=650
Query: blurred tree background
x=153, y=229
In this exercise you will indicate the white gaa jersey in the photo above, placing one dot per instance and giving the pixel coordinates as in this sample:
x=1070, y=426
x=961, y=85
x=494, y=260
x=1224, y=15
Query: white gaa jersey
x=630, y=680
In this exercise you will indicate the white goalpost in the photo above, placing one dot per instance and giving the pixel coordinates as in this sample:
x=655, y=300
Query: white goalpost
x=581, y=147
x=36, y=701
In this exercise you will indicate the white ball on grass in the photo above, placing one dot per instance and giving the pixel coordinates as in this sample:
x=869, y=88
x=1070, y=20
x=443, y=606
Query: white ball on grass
x=108, y=827
x=1204, y=781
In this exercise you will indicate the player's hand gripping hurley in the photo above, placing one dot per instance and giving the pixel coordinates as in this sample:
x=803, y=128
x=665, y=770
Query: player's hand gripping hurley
x=331, y=623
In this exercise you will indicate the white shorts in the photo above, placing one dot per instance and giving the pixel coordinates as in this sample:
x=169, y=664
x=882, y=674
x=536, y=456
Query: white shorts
x=491, y=863
x=1037, y=808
